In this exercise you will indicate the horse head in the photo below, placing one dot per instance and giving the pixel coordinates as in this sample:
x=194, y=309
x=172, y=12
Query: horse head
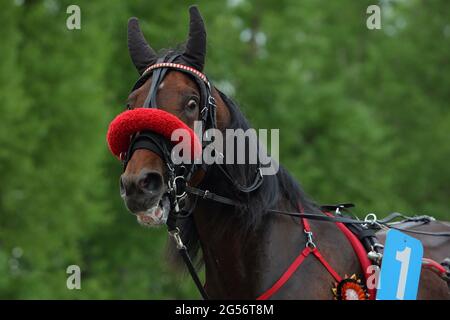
x=172, y=82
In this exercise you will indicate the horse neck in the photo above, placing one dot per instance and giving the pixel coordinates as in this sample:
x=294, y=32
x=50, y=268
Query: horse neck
x=240, y=263
x=243, y=264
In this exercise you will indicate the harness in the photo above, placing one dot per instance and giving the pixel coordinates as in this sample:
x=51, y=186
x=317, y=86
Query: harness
x=360, y=234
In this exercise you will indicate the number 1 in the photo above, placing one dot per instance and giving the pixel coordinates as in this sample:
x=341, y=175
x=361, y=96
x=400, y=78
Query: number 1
x=403, y=258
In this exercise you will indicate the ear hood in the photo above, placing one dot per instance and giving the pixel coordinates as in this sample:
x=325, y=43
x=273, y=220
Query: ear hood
x=195, y=52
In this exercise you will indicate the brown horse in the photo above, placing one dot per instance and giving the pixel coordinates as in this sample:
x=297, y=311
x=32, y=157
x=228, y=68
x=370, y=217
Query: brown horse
x=244, y=250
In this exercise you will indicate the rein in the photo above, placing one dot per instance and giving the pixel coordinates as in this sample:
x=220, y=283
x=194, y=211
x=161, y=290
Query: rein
x=206, y=194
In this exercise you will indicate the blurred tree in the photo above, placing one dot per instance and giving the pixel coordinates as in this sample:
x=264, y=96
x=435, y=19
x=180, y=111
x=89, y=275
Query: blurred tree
x=55, y=196
x=363, y=117
x=17, y=144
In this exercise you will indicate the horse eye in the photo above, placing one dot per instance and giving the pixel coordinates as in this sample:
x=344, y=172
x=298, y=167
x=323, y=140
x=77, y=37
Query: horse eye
x=192, y=104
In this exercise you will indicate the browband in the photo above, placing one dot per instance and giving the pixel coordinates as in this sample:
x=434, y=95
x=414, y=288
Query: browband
x=177, y=66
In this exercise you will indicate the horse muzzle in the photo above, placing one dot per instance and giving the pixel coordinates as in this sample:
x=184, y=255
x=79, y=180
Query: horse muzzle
x=145, y=196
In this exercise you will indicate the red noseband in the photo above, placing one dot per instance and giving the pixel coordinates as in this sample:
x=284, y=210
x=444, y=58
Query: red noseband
x=148, y=119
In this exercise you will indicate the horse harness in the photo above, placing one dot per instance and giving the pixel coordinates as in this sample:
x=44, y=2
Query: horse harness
x=361, y=234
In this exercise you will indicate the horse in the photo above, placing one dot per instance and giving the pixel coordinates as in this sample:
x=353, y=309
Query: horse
x=244, y=249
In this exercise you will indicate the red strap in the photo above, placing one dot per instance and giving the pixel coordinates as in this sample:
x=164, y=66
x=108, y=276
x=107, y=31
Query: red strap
x=326, y=265
x=434, y=266
x=297, y=262
x=305, y=222
x=286, y=275
x=359, y=250
x=306, y=225
x=316, y=252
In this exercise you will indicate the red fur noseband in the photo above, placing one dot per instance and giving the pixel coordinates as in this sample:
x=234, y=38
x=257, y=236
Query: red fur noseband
x=147, y=119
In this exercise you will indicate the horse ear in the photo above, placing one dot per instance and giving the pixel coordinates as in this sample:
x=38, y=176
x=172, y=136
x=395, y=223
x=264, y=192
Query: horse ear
x=196, y=45
x=141, y=53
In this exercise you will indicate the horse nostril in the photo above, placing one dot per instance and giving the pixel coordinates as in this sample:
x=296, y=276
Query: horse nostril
x=151, y=181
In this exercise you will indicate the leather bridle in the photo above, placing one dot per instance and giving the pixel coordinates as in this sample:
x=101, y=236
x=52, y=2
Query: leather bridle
x=159, y=70
x=180, y=175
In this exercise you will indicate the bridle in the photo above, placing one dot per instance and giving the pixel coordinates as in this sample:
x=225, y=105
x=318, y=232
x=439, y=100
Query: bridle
x=179, y=175
x=159, y=70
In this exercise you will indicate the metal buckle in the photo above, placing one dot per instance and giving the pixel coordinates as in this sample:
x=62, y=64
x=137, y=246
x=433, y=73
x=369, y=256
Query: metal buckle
x=175, y=235
x=212, y=101
x=370, y=219
x=374, y=255
x=171, y=169
x=309, y=243
x=175, y=188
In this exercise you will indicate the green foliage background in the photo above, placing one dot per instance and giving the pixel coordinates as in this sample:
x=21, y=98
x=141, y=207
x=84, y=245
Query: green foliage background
x=363, y=117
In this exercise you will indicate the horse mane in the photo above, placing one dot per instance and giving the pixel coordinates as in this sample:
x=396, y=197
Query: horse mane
x=274, y=189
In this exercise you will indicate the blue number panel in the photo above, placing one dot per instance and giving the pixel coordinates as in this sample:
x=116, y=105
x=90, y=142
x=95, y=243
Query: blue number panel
x=400, y=269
